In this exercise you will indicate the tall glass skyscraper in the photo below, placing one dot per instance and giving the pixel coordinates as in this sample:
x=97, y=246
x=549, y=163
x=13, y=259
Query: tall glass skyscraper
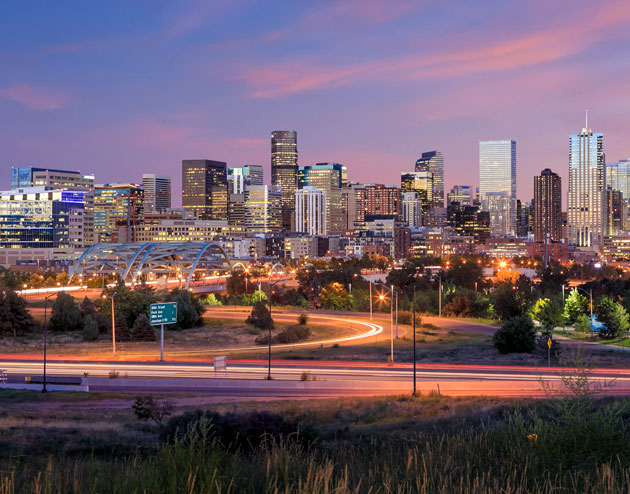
x=284, y=169
x=205, y=189
x=497, y=175
x=586, y=205
x=433, y=161
x=330, y=178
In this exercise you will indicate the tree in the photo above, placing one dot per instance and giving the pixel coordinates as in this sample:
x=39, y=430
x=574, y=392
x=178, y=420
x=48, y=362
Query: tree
x=516, y=335
x=464, y=274
x=553, y=278
x=90, y=328
x=146, y=407
x=260, y=317
x=575, y=306
x=548, y=313
x=512, y=300
x=14, y=318
x=142, y=330
x=66, y=315
x=122, y=329
x=235, y=283
x=335, y=297
x=613, y=316
x=583, y=323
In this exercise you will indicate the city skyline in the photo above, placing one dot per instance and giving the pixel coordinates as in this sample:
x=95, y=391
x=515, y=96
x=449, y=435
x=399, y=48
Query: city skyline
x=80, y=97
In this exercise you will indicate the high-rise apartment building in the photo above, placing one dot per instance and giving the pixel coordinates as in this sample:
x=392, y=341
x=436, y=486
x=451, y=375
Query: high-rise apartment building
x=284, y=169
x=42, y=217
x=433, y=161
x=547, y=206
x=461, y=194
x=205, y=189
x=374, y=200
x=263, y=211
x=615, y=211
x=239, y=178
x=411, y=209
x=525, y=218
x=117, y=205
x=330, y=178
x=497, y=176
x=310, y=211
x=157, y=193
x=586, y=205
x=422, y=183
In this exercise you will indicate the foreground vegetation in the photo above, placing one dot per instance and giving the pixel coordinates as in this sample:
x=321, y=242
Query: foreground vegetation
x=430, y=444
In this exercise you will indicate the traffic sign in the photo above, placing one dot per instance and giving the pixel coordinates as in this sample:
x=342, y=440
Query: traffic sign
x=165, y=313
x=549, y=343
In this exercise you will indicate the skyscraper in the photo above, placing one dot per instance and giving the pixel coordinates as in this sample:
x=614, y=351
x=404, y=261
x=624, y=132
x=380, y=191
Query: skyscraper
x=547, y=206
x=204, y=189
x=117, y=205
x=157, y=192
x=239, y=178
x=284, y=168
x=586, y=205
x=497, y=175
x=618, y=179
x=433, y=161
x=412, y=209
x=330, y=178
x=263, y=213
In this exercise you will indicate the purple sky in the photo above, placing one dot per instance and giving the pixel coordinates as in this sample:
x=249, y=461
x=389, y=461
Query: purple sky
x=119, y=88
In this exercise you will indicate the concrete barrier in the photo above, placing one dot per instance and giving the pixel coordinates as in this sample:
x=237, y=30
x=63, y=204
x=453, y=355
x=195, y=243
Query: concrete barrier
x=49, y=387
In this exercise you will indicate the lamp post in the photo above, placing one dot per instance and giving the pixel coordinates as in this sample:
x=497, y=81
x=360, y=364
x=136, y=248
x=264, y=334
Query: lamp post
x=414, y=338
x=439, y=277
x=269, y=339
x=590, y=294
x=370, y=300
x=113, y=325
x=391, y=316
x=44, y=390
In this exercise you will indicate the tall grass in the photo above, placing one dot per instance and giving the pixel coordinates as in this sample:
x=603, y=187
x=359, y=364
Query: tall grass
x=543, y=449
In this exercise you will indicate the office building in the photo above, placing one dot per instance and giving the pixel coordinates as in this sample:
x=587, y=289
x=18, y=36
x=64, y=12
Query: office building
x=525, y=218
x=497, y=175
x=586, y=205
x=42, y=217
x=310, y=211
x=412, y=209
x=499, y=205
x=461, y=194
x=157, y=193
x=433, y=161
x=469, y=221
x=284, y=170
x=263, y=209
x=239, y=178
x=329, y=178
x=375, y=200
x=547, y=206
x=205, y=189
x=422, y=183
x=117, y=205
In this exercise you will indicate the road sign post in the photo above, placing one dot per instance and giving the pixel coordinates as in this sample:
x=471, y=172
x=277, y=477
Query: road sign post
x=164, y=313
x=549, y=352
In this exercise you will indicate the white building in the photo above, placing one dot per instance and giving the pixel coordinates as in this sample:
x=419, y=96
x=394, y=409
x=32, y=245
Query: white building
x=310, y=211
x=157, y=192
x=412, y=209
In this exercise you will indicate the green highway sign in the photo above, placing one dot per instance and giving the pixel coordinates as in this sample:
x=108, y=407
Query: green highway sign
x=165, y=313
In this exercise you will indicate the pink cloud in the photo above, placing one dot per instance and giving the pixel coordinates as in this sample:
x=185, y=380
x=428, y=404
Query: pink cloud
x=36, y=98
x=552, y=44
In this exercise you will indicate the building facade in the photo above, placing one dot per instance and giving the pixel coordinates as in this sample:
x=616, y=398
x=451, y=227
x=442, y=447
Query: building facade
x=547, y=206
x=205, y=189
x=239, y=178
x=433, y=161
x=586, y=205
x=618, y=178
x=114, y=203
x=284, y=169
x=422, y=183
x=331, y=179
x=310, y=211
x=461, y=194
x=411, y=209
x=263, y=209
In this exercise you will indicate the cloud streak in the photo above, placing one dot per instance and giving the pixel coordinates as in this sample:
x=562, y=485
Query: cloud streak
x=36, y=98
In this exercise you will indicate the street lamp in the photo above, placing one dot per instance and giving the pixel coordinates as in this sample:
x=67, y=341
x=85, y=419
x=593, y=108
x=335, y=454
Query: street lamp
x=113, y=326
x=590, y=294
x=269, y=342
x=439, y=277
x=44, y=390
x=391, y=315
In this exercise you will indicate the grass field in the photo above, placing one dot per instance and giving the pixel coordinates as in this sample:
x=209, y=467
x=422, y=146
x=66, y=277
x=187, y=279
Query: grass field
x=397, y=444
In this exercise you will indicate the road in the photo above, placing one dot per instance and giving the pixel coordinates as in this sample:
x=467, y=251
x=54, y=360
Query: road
x=298, y=379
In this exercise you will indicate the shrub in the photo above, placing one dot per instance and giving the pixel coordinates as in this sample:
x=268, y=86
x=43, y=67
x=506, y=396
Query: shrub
x=516, y=335
x=212, y=300
x=406, y=317
x=303, y=319
x=146, y=407
x=245, y=431
x=90, y=329
x=14, y=318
